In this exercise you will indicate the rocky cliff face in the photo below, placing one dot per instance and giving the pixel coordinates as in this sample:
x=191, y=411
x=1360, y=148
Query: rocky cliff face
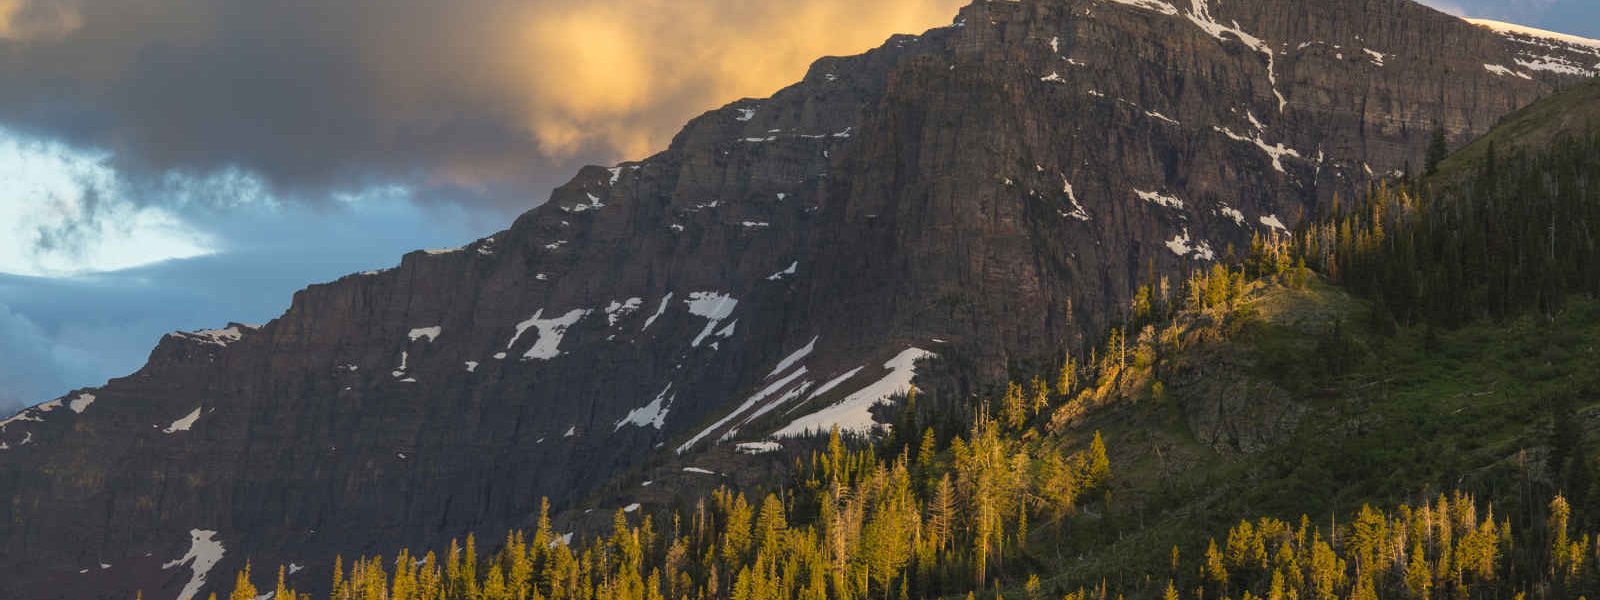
x=996, y=187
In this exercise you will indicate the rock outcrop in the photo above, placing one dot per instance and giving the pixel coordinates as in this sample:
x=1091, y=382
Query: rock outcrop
x=998, y=186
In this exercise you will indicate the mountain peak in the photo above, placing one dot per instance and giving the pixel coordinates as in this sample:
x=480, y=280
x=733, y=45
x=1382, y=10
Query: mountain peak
x=988, y=192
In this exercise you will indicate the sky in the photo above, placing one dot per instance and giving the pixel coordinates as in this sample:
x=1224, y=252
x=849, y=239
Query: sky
x=1577, y=17
x=179, y=164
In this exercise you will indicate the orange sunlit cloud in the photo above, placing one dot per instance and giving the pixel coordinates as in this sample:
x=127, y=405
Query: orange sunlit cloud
x=626, y=74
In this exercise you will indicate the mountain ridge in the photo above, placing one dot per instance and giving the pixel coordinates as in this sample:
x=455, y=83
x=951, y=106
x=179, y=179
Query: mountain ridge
x=885, y=201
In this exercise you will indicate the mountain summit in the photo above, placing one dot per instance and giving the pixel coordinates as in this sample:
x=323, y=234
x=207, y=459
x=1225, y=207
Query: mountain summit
x=781, y=267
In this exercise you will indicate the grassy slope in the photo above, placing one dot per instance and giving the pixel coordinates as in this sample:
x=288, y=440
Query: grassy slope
x=1412, y=418
x=1572, y=110
x=1419, y=412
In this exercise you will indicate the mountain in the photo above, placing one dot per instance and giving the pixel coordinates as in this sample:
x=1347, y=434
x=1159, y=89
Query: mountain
x=984, y=191
x=1572, y=112
x=1178, y=453
x=1257, y=394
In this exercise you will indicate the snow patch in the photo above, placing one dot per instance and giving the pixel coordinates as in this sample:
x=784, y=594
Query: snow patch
x=183, y=424
x=653, y=414
x=1156, y=198
x=1377, y=57
x=1160, y=117
x=1273, y=222
x=835, y=382
x=1155, y=5
x=1512, y=29
x=792, y=269
x=215, y=337
x=699, y=470
x=1077, y=209
x=472, y=366
x=753, y=400
x=1200, y=15
x=745, y=114
x=714, y=307
x=1554, y=65
x=1182, y=246
x=432, y=333
x=81, y=402
x=32, y=414
x=1053, y=77
x=797, y=356
x=787, y=397
x=1233, y=213
x=757, y=447
x=205, y=551
x=594, y=204
x=1504, y=71
x=660, y=308
x=1254, y=122
x=631, y=508
x=551, y=331
x=616, y=311
x=1274, y=151
x=853, y=414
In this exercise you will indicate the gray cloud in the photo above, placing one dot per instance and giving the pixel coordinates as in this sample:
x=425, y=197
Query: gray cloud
x=476, y=101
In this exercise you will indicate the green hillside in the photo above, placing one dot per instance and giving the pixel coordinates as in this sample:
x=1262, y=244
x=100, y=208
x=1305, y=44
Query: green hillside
x=1571, y=111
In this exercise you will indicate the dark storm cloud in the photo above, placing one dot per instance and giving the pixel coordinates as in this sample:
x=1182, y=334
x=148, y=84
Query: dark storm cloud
x=453, y=98
x=311, y=96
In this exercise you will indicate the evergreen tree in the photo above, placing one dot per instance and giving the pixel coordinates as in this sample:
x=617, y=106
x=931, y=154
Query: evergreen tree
x=1438, y=150
x=242, y=588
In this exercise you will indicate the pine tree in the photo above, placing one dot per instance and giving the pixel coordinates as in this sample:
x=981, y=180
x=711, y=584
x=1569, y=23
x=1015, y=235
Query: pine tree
x=1438, y=150
x=1216, y=572
x=1012, y=406
x=242, y=588
x=926, y=453
x=1560, y=512
x=1419, y=578
x=1041, y=396
x=1067, y=378
x=1099, y=463
x=282, y=592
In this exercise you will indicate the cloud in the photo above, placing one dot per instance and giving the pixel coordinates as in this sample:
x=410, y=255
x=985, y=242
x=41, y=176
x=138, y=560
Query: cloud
x=472, y=101
x=1446, y=6
x=30, y=20
x=34, y=367
x=63, y=211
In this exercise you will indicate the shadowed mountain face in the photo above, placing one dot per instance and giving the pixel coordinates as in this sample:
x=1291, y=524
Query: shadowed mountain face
x=995, y=188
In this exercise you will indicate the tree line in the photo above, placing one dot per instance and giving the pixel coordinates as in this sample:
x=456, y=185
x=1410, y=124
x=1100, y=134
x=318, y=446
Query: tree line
x=1515, y=234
